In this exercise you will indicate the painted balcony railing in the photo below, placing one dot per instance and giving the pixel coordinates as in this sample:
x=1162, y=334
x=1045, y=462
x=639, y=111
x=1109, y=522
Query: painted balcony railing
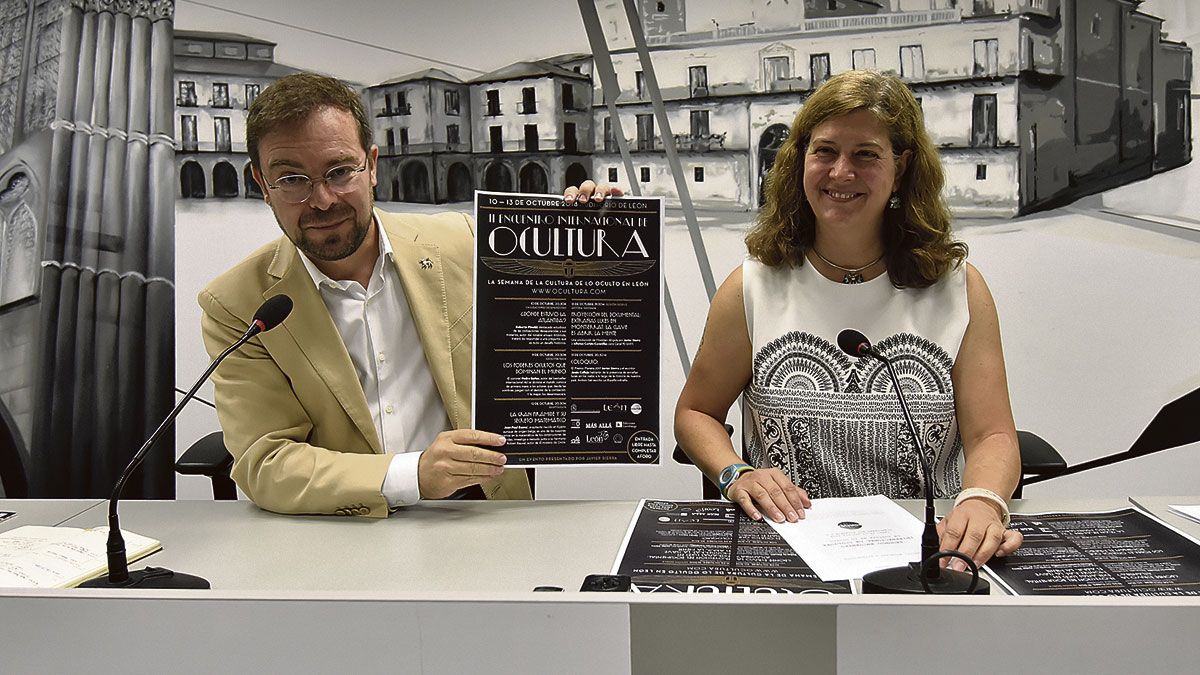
x=862, y=22
x=395, y=111
x=699, y=142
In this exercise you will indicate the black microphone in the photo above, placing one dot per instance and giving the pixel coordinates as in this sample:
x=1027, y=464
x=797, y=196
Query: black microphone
x=925, y=575
x=270, y=314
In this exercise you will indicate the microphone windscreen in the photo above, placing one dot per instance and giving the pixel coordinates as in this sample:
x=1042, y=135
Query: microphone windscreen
x=852, y=342
x=272, y=312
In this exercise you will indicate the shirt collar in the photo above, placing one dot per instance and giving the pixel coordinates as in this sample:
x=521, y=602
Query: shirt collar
x=319, y=278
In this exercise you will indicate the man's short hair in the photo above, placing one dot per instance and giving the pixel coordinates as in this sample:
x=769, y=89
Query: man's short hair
x=291, y=99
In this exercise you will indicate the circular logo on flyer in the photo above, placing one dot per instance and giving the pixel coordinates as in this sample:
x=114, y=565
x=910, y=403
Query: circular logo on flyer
x=643, y=447
x=661, y=506
x=636, y=408
x=849, y=525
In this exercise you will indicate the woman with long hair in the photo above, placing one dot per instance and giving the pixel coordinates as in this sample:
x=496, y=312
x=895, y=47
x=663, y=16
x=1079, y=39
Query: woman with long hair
x=855, y=234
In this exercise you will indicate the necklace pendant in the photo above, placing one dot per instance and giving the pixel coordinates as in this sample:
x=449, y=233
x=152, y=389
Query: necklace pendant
x=852, y=278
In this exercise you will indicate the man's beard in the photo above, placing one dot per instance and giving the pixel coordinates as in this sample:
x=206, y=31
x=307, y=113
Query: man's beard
x=331, y=246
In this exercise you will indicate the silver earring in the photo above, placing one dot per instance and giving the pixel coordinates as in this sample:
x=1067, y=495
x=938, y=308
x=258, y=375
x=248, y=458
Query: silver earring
x=894, y=201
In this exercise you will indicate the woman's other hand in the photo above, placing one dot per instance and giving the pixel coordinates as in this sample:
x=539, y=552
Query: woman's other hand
x=769, y=491
x=974, y=529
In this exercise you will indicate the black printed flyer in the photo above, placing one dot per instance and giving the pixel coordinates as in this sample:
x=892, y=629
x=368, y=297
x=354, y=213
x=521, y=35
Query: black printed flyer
x=566, y=351
x=1122, y=552
x=711, y=547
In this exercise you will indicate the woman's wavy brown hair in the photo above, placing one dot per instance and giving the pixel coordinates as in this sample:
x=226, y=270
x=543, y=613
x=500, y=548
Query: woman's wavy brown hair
x=918, y=247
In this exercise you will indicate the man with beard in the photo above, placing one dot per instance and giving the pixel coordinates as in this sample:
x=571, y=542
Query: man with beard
x=357, y=404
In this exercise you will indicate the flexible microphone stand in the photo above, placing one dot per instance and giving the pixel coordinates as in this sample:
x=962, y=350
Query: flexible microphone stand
x=924, y=575
x=270, y=314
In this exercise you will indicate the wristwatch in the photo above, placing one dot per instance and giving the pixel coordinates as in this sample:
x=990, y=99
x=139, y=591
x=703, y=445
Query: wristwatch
x=730, y=474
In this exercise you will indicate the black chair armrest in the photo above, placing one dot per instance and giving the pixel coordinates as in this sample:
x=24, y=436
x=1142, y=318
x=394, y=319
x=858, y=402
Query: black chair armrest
x=1038, y=456
x=206, y=457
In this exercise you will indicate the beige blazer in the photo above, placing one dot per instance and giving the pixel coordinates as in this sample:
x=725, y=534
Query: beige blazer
x=293, y=412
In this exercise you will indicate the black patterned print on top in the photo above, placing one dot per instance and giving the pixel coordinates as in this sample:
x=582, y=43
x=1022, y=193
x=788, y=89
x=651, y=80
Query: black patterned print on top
x=834, y=425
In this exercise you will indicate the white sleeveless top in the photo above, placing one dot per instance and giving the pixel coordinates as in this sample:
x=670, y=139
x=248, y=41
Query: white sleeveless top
x=830, y=421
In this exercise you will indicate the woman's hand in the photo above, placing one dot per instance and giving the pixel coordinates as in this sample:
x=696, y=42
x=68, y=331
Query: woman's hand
x=771, y=491
x=973, y=528
x=589, y=189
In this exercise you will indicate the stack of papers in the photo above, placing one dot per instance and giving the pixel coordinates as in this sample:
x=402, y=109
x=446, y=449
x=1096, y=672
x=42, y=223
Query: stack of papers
x=34, y=556
x=1189, y=511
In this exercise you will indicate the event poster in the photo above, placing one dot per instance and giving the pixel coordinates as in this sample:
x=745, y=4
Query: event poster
x=711, y=547
x=567, y=300
x=1123, y=552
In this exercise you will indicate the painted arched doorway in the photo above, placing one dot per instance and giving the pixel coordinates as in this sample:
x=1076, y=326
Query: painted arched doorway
x=768, y=146
x=225, y=180
x=191, y=181
x=576, y=174
x=252, y=189
x=458, y=183
x=497, y=178
x=415, y=180
x=533, y=178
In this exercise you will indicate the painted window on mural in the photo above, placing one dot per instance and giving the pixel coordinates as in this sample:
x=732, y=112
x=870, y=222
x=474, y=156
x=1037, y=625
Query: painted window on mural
x=451, y=101
x=528, y=104
x=220, y=97
x=187, y=128
x=863, y=59
x=912, y=62
x=187, y=93
x=818, y=65
x=570, y=141
x=987, y=58
x=698, y=80
x=224, y=142
x=983, y=121
x=777, y=68
x=645, y=132
x=20, y=265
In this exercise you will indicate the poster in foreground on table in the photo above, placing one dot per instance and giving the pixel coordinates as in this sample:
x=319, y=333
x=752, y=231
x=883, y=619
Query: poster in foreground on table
x=567, y=300
x=711, y=547
x=1122, y=552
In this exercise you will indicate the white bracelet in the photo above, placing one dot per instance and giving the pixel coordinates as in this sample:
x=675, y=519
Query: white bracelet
x=984, y=493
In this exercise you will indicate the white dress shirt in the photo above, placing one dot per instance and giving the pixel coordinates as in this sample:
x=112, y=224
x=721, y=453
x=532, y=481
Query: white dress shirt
x=379, y=333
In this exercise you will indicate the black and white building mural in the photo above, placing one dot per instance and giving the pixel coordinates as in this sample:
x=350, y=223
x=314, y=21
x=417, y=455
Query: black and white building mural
x=87, y=248
x=1033, y=102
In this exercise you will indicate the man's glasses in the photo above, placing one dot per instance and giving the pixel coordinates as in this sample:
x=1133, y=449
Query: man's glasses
x=297, y=188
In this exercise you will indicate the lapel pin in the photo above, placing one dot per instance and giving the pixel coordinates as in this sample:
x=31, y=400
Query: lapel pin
x=426, y=264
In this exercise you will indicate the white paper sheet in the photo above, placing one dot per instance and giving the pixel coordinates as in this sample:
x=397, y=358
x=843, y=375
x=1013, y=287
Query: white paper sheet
x=1189, y=511
x=846, y=537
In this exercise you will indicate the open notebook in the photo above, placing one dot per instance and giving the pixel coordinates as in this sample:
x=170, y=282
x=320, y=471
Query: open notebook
x=34, y=556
